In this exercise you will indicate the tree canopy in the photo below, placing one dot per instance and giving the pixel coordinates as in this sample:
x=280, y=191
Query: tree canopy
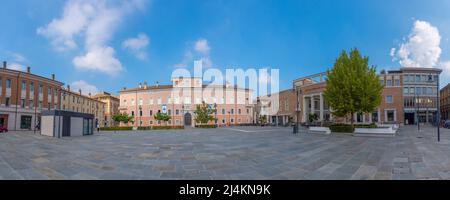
x=352, y=85
x=204, y=113
x=162, y=117
x=123, y=117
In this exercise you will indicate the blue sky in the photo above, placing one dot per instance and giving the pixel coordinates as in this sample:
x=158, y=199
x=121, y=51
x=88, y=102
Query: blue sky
x=145, y=40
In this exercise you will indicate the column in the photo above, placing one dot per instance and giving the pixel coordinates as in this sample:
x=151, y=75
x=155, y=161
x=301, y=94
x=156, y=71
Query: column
x=313, y=105
x=321, y=107
x=304, y=109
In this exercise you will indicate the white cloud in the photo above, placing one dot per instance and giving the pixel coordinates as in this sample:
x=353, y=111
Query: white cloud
x=421, y=49
x=94, y=22
x=99, y=59
x=199, y=51
x=202, y=46
x=85, y=87
x=16, y=66
x=137, y=45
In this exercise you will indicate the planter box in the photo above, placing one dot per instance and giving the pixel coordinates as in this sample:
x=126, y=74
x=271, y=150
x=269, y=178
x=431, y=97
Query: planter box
x=386, y=131
x=323, y=130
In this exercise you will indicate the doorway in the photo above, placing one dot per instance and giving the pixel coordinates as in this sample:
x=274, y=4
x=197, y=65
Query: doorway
x=409, y=118
x=4, y=121
x=188, y=119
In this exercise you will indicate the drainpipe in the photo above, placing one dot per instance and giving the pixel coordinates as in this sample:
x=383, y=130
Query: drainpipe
x=17, y=101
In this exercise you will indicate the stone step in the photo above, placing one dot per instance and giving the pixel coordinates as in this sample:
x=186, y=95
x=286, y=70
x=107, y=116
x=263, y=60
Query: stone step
x=374, y=134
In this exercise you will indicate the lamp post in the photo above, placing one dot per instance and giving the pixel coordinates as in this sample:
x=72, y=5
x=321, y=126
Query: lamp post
x=215, y=114
x=438, y=117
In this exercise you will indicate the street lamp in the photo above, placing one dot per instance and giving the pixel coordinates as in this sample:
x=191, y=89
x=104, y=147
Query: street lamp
x=438, y=116
x=215, y=114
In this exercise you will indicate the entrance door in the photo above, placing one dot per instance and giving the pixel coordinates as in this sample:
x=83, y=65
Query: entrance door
x=188, y=119
x=410, y=118
x=66, y=126
x=4, y=121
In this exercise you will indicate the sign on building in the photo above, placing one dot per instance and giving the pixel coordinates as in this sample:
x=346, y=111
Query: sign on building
x=164, y=109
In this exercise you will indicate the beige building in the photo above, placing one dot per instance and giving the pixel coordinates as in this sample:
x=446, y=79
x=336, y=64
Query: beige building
x=112, y=104
x=77, y=102
x=179, y=100
x=23, y=96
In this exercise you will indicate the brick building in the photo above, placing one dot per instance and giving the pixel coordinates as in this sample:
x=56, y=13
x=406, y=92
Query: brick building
x=179, y=100
x=24, y=95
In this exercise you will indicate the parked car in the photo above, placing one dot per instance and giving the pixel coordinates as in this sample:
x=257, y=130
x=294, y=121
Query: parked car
x=3, y=129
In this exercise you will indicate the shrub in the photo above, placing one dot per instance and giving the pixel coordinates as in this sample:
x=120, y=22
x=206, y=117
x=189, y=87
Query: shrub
x=124, y=128
x=144, y=128
x=373, y=125
x=206, y=126
x=342, y=128
x=167, y=127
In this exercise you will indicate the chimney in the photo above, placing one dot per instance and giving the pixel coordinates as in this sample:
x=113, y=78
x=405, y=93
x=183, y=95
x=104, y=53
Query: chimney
x=79, y=90
x=4, y=64
x=157, y=83
x=53, y=76
x=68, y=88
x=145, y=85
x=124, y=88
x=140, y=85
x=28, y=69
x=89, y=94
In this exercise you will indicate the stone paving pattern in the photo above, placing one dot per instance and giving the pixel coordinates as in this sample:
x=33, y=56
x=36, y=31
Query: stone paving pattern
x=226, y=153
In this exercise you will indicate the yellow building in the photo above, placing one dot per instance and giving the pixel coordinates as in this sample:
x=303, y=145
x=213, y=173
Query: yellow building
x=77, y=102
x=111, y=107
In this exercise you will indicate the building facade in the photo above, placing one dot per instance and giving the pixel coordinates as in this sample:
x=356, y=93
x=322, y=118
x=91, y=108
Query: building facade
x=179, y=100
x=445, y=102
x=23, y=96
x=77, y=102
x=112, y=104
x=420, y=93
x=279, y=108
x=409, y=95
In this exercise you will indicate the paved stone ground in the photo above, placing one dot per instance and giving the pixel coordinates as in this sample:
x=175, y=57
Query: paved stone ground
x=226, y=153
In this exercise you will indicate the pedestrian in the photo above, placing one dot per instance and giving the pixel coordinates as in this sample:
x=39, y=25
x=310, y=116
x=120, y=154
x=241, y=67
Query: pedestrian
x=98, y=127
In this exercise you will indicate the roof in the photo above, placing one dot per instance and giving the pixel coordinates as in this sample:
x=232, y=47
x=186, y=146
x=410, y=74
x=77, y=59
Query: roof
x=154, y=87
x=81, y=95
x=31, y=74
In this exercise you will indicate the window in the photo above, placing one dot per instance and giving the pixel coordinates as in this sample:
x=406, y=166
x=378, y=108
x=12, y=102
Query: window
x=8, y=83
x=32, y=87
x=388, y=83
x=390, y=115
x=232, y=111
x=140, y=113
x=170, y=112
x=248, y=111
x=417, y=78
x=223, y=121
x=150, y=102
x=169, y=101
x=418, y=90
x=1, y=82
x=389, y=99
x=151, y=112
x=406, y=78
x=232, y=120
x=411, y=90
x=222, y=100
x=132, y=113
x=159, y=101
x=359, y=117
x=239, y=111
x=429, y=91
x=375, y=117
x=6, y=101
x=40, y=89
x=405, y=91
x=31, y=104
x=177, y=112
x=197, y=101
x=24, y=85
x=187, y=100
x=132, y=102
x=151, y=122
x=382, y=82
x=140, y=102
x=25, y=122
x=22, y=103
x=223, y=111
x=396, y=82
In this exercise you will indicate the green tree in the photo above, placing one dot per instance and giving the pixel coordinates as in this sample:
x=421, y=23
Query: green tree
x=352, y=85
x=162, y=117
x=204, y=114
x=312, y=117
x=123, y=117
x=262, y=119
